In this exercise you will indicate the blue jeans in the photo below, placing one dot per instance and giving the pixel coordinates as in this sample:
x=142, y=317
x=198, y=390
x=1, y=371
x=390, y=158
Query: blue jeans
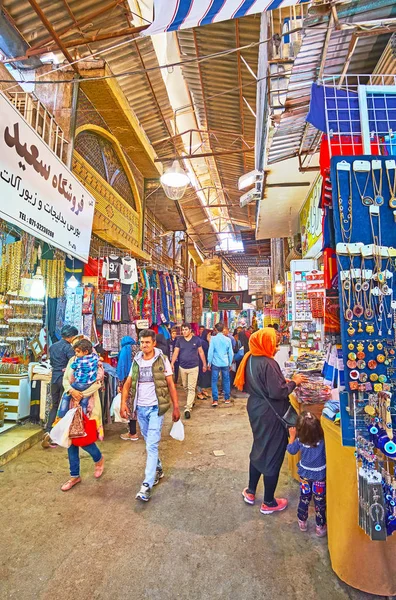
x=225, y=375
x=150, y=424
x=65, y=400
x=74, y=457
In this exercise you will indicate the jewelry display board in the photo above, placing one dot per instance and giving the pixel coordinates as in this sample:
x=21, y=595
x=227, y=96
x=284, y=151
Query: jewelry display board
x=364, y=200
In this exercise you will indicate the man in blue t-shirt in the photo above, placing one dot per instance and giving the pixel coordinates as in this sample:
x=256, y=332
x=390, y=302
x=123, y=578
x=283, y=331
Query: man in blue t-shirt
x=187, y=351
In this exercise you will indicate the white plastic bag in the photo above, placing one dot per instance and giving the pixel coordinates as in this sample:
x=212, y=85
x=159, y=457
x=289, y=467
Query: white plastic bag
x=177, y=431
x=59, y=434
x=115, y=410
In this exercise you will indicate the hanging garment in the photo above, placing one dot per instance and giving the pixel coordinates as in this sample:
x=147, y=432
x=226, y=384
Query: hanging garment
x=111, y=268
x=108, y=306
x=124, y=309
x=128, y=271
x=51, y=318
x=188, y=306
x=131, y=308
x=116, y=311
x=99, y=308
x=60, y=316
x=179, y=316
x=87, y=307
x=73, y=312
x=115, y=337
x=87, y=326
x=91, y=269
x=106, y=338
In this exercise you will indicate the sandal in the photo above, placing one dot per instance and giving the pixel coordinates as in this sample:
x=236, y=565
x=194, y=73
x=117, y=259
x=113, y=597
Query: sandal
x=201, y=396
x=71, y=483
x=99, y=466
x=206, y=395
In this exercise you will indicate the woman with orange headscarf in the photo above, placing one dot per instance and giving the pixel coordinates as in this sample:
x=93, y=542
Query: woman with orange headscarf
x=260, y=376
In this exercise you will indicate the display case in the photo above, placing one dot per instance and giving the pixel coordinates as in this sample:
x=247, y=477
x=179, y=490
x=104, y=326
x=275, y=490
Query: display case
x=15, y=394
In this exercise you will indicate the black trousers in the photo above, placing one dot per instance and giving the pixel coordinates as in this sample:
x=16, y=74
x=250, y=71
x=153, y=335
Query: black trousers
x=132, y=427
x=56, y=393
x=270, y=483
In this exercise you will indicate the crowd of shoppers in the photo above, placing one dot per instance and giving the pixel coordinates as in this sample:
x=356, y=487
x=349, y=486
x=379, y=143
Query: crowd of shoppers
x=147, y=371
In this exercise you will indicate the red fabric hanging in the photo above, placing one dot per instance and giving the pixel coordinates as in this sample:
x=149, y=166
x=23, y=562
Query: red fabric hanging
x=330, y=267
x=342, y=145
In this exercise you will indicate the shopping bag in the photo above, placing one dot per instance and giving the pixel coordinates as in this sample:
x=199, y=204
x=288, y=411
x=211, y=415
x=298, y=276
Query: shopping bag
x=177, y=431
x=115, y=410
x=60, y=432
x=91, y=433
x=77, y=427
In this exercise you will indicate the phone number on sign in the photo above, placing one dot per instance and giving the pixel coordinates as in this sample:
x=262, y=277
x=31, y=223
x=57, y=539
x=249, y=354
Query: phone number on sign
x=38, y=226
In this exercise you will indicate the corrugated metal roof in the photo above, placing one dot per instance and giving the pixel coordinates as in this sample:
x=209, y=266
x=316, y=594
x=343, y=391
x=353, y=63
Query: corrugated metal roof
x=291, y=137
x=220, y=105
x=145, y=92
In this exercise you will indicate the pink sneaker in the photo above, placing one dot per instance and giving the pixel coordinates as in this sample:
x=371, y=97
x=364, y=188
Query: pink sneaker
x=268, y=510
x=99, y=466
x=248, y=497
x=321, y=531
x=303, y=525
x=71, y=483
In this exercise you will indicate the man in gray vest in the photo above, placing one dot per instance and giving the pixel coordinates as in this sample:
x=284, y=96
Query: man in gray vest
x=149, y=390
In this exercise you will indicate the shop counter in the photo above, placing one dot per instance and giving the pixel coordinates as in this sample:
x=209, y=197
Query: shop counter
x=361, y=563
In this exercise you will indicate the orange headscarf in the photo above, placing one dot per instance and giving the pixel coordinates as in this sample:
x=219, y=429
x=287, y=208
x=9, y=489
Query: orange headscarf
x=261, y=343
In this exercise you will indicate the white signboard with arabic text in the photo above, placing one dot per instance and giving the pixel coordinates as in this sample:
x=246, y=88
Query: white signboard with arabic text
x=259, y=280
x=38, y=193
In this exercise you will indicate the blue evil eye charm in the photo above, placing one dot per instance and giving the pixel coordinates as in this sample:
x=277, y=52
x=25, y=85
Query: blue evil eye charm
x=390, y=448
x=376, y=420
x=378, y=527
x=374, y=430
x=392, y=503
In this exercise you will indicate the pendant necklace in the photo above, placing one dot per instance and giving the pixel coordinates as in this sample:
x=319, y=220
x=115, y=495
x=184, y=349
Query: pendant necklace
x=366, y=200
x=346, y=294
x=377, y=187
x=392, y=187
x=358, y=309
x=345, y=219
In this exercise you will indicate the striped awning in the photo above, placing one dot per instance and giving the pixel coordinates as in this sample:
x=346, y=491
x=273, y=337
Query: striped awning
x=172, y=15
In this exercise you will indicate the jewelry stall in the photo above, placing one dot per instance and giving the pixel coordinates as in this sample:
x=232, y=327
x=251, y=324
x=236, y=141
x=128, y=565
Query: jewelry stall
x=358, y=119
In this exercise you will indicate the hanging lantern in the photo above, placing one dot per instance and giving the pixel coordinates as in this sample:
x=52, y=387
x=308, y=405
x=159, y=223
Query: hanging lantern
x=279, y=288
x=37, y=291
x=174, y=181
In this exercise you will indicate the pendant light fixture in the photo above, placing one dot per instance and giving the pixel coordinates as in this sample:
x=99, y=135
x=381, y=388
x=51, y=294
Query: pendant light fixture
x=279, y=288
x=37, y=291
x=174, y=181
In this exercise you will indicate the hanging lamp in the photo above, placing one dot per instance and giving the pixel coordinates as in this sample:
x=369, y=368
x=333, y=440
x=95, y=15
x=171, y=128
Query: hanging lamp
x=174, y=181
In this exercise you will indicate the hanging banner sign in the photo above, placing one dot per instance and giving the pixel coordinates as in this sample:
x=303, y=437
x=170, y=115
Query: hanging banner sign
x=172, y=15
x=259, y=281
x=38, y=192
x=311, y=221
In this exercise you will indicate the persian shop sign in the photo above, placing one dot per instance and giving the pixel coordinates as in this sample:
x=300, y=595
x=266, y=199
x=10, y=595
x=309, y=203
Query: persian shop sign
x=311, y=221
x=38, y=193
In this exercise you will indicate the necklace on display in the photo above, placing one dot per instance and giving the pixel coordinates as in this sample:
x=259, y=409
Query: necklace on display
x=365, y=200
x=346, y=286
x=358, y=309
x=345, y=219
x=376, y=165
x=390, y=165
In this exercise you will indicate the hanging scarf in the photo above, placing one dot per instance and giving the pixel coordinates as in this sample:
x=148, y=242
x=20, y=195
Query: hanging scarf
x=261, y=343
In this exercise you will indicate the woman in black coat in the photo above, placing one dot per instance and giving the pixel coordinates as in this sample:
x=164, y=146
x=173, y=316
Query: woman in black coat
x=260, y=375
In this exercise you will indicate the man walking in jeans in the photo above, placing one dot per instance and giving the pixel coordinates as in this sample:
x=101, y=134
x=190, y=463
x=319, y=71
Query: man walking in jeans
x=187, y=351
x=149, y=391
x=220, y=357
